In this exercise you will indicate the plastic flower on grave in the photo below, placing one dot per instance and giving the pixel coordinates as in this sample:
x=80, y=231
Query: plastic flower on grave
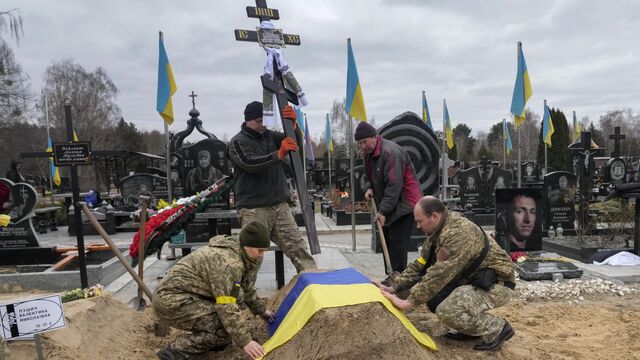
x=519, y=256
x=162, y=204
x=4, y=220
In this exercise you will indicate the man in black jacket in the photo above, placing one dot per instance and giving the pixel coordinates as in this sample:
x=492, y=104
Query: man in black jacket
x=261, y=191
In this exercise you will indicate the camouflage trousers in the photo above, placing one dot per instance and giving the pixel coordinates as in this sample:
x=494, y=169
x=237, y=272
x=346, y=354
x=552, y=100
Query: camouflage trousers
x=284, y=232
x=196, y=315
x=465, y=310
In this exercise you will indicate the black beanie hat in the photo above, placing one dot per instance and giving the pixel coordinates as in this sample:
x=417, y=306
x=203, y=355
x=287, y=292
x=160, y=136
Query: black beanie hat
x=364, y=130
x=253, y=111
x=254, y=234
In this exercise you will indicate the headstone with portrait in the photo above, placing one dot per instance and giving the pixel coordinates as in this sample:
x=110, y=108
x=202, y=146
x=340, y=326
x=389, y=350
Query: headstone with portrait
x=151, y=185
x=615, y=171
x=498, y=178
x=473, y=191
x=518, y=221
x=529, y=172
x=18, y=200
x=196, y=167
x=560, y=190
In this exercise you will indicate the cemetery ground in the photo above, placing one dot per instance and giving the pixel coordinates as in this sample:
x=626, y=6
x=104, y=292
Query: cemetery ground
x=594, y=317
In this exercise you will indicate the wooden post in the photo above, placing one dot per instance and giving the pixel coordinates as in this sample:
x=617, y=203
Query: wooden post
x=142, y=241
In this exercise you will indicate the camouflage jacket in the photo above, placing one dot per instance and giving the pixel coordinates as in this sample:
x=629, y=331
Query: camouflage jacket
x=216, y=272
x=463, y=240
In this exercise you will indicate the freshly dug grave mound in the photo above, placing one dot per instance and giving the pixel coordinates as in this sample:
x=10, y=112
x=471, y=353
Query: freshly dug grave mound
x=365, y=331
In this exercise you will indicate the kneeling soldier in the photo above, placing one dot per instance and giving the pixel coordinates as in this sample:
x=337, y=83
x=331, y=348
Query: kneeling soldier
x=199, y=295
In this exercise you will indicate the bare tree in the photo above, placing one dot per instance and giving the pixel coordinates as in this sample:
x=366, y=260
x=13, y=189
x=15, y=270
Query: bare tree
x=15, y=92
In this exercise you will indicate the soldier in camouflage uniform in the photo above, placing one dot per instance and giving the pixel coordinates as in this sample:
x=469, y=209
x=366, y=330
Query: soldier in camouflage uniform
x=261, y=190
x=199, y=294
x=456, y=243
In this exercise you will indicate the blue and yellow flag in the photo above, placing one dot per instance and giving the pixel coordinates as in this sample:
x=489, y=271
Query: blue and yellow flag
x=522, y=90
x=547, y=125
x=577, y=129
x=507, y=137
x=425, y=111
x=166, y=85
x=53, y=169
x=355, y=100
x=75, y=135
x=448, y=130
x=315, y=291
x=327, y=135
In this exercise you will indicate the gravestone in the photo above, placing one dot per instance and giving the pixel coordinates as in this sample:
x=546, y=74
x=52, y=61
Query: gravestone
x=518, y=219
x=150, y=185
x=498, y=178
x=560, y=190
x=18, y=200
x=360, y=186
x=196, y=167
x=615, y=171
x=472, y=190
x=529, y=172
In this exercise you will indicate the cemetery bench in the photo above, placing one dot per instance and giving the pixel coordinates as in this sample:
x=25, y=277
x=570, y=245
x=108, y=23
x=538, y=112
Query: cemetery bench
x=41, y=218
x=186, y=250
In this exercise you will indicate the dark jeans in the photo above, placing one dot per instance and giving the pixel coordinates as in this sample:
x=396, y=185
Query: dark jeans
x=398, y=235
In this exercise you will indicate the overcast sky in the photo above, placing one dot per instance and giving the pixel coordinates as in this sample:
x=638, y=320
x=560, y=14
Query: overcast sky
x=580, y=54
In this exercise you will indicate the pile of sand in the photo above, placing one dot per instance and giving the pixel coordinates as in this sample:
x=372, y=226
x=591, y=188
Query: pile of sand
x=598, y=328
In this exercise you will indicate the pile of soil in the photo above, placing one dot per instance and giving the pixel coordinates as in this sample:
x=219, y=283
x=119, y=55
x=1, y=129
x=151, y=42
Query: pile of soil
x=597, y=328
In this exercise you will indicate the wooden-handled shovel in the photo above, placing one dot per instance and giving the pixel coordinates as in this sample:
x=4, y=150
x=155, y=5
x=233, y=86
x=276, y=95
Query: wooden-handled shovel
x=385, y=251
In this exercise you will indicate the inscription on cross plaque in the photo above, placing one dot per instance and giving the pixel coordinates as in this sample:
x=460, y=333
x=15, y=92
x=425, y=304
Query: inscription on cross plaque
x=283, y=96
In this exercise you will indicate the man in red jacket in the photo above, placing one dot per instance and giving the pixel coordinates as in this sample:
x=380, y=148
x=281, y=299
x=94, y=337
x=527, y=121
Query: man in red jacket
x=392, y=180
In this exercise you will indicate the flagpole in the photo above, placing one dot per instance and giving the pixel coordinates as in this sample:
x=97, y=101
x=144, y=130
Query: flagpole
x=543, y=140
x=304, y=151
x=168, y=161
x=46, y=114
x=352, y=188
x=444, y=142
x=329, y=166
x=504, y=142
x=519, y=157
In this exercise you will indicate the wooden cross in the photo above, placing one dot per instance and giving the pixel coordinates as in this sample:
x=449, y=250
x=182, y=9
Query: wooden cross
x=616, y=137
x=276, y=39
x=193, y=97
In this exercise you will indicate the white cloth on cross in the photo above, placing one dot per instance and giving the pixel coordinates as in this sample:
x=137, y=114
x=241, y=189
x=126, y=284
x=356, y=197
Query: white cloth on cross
x=270, y=113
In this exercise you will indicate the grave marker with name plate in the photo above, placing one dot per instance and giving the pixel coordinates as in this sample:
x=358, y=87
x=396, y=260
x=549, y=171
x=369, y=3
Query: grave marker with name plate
x=560, y=190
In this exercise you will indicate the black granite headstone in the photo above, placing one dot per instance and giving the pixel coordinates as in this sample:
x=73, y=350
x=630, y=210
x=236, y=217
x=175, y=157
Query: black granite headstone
x=615, y=171
x=203, y=164
x=529, y=172
x=518, y=221
x=150, y=185
x=560, y=190
x=18, y=201
x=472, y=189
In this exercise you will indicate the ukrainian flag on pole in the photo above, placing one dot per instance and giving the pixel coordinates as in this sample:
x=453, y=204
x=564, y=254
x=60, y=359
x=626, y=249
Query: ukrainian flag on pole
x=577, y=129
x=166, y=85
x=547, y=125
x=355, y=100
x=300, y=119
x=507, y=137
x=53, y=169
x=447, y=126
x=327, y=134
x=425, y=111
x=522, y=90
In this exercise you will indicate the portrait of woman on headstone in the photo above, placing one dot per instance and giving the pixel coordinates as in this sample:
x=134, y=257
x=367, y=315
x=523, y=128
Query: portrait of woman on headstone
x=202, y=176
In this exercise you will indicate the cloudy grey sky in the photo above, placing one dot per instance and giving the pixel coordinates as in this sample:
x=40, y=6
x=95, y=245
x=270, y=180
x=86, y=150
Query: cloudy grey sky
x=581, y=54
